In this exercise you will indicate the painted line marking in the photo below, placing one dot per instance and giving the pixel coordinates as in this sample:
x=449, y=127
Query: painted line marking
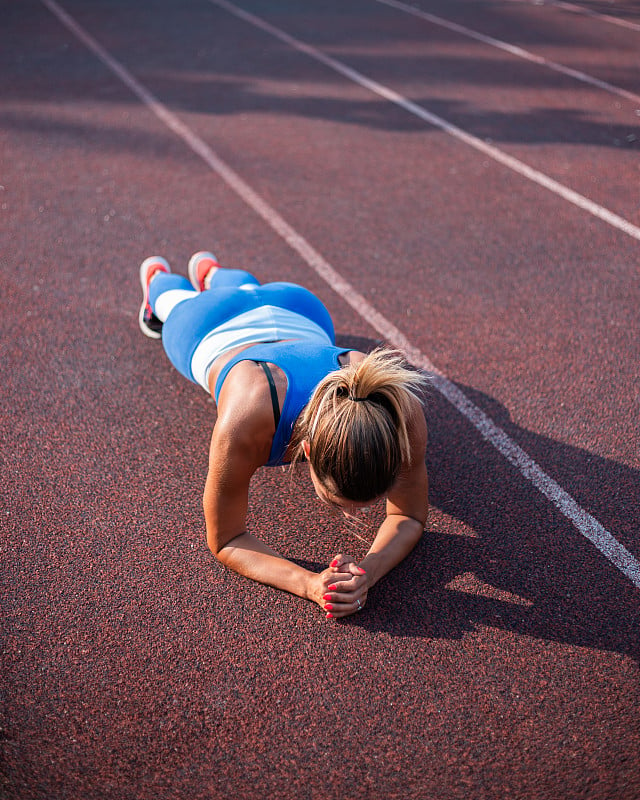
x=394, y=97
x=513, y=50
x=587, y=525
x=589, y=12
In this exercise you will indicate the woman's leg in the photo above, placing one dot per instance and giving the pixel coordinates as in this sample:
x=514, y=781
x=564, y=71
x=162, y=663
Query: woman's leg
x=224, y=278
x=188, y=314
x=166, y=290
x=205, y=273
x=172, y=309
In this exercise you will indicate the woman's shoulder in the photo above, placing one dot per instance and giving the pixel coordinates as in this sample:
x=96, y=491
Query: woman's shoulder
x=351, y=358
x=245, y=411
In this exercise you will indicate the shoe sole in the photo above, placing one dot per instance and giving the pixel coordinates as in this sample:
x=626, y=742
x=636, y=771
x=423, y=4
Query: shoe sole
x=144, y=267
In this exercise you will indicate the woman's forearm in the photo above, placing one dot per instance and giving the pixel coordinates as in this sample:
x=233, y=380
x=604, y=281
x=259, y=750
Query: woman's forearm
x=253, y=559
x=396, y=538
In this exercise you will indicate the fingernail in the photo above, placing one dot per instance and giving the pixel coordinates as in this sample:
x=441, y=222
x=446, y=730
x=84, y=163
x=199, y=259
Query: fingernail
x=333, y=587
x=328, y=607
x=326, y=597
x=362, y=571
x=329, y=616
x=334, y=563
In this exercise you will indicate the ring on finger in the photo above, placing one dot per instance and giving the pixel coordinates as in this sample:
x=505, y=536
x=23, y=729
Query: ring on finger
x=359, y=605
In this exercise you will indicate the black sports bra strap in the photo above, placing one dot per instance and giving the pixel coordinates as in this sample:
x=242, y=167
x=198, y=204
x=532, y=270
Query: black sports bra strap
x=273, y=390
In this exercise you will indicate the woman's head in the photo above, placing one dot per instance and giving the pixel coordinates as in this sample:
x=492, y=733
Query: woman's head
x=354, y=428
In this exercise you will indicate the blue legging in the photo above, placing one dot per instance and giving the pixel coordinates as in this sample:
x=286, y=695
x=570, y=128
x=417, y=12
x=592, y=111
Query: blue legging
x=232, y=292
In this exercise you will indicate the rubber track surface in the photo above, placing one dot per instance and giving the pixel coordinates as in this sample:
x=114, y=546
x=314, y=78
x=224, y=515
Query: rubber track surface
x=501, y=659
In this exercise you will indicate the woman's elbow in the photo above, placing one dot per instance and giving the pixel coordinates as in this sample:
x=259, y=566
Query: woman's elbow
x=214, y=544
x=219, y=546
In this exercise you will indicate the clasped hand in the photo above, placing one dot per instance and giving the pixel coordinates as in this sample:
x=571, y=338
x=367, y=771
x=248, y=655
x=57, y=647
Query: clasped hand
x=342, y=588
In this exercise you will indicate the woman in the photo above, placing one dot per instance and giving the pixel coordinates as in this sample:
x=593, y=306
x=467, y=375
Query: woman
x=284, y=392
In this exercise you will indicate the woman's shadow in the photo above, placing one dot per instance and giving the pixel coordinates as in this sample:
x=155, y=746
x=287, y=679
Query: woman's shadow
x=517, y=563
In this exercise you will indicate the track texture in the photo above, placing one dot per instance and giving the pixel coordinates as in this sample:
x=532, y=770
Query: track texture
x=501, y=659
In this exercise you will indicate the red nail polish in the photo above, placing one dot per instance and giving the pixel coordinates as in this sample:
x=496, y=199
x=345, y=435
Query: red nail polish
x=362, y=571
x=326, y=597
x=328, y=607
x=334, y=563
x=329, y=616
x=333, y=587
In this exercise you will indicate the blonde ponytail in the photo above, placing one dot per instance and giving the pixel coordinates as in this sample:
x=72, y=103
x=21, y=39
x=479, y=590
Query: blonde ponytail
x=356, y=425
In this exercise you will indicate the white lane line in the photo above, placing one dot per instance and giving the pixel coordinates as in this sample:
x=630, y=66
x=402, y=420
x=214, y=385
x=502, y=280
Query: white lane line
x=589, y=12
x=392, y=96
x=588, y=526
x=513, y=50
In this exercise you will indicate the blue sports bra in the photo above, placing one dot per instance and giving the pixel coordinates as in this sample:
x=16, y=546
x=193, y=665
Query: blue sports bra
x=305, y=364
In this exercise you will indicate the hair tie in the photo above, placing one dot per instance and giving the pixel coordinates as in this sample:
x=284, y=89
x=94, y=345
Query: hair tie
x=357, y=399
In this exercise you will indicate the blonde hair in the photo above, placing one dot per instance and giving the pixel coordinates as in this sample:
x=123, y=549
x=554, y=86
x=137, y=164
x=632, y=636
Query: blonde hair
x=356, y=425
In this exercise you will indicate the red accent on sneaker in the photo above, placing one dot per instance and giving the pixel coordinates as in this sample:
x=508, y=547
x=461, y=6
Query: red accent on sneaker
x=199, y=266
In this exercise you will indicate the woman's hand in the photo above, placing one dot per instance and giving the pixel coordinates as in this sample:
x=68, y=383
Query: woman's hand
x=342, y=588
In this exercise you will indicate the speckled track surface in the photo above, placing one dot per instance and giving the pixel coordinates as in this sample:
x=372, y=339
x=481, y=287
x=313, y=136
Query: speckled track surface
x=501, y=659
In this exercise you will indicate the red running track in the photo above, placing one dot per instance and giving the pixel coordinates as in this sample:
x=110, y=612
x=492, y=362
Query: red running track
x=484, y=204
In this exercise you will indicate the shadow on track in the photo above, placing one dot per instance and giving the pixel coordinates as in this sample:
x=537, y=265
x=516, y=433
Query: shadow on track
x=214, y=81
x=538, y=125
x=522, y=566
